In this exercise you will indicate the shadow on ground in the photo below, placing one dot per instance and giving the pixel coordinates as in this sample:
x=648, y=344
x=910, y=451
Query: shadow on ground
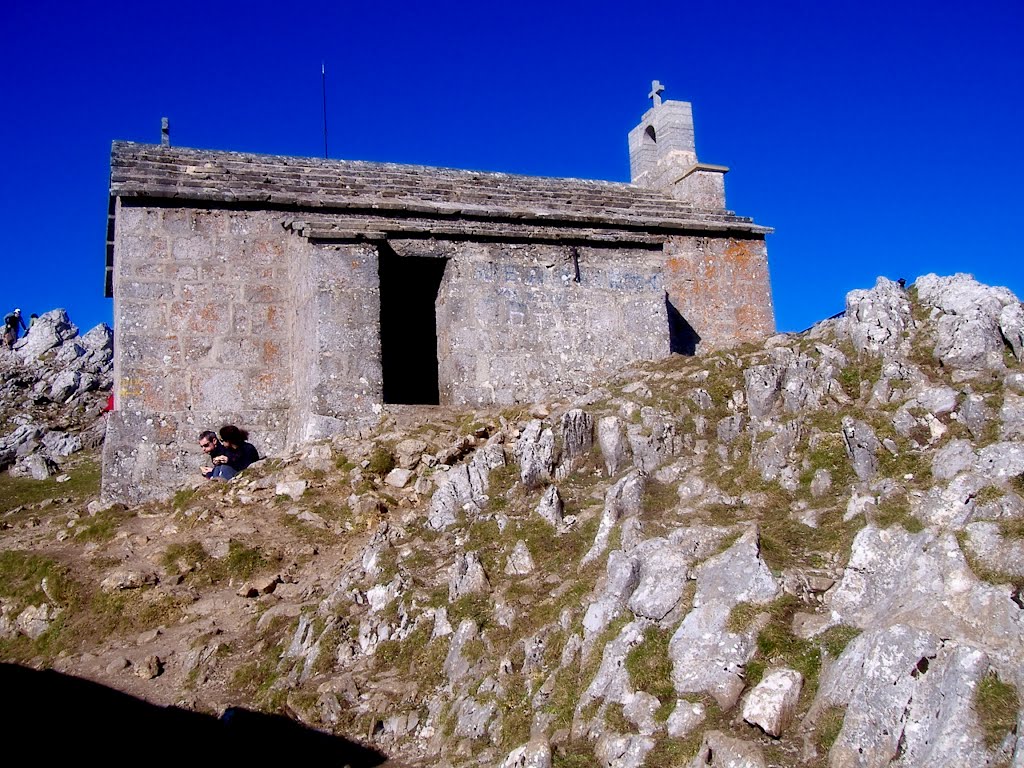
x=49, y=713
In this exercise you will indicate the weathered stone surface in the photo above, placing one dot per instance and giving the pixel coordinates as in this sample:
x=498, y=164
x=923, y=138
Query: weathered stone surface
x=534, y=754
x=464, y=487
x=876, y=319
x=685, y=718
x=946, y=599
x=612, y=440
x=861, y=446
x=398, y=477
x=519, y=561
x=624, y=499
x=772, y=703
x=49, y=330
x=535, y=452
x=968, y=333
x=705, y=655
x=907, y=694
x=467, y=576
x=577, y=440
x=664, y=568
x=550, y=507
x=622, y=577
x=717, y=750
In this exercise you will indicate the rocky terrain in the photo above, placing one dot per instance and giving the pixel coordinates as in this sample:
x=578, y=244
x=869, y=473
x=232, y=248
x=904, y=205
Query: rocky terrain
x=808, y=552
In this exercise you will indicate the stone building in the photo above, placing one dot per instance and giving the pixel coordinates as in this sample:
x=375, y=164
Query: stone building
x=296, y=297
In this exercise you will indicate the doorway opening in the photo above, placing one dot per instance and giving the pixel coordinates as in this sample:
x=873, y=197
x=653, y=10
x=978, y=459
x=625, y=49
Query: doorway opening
x=408, y=326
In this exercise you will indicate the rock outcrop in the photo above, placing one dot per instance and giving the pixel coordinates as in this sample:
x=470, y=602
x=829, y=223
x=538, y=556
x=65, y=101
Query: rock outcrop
x=803, y=553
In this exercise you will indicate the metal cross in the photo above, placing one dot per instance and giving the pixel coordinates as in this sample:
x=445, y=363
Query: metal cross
x=655, y=94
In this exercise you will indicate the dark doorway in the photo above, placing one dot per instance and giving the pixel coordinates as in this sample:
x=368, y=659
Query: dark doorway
x=682, y=337
x=408, y=326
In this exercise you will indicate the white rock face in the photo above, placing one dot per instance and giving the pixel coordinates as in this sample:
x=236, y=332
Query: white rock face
x=550, y=507
x=921, y=581
x=705, y=655
x=908, y=696
x=685, y=718
x=968, y=333
x=292, y=489
x=519, y=561
x=398, y=477
x=720, y=751
x=534, y=754
x=772, y=703
x=876, y=319
x=614, y=448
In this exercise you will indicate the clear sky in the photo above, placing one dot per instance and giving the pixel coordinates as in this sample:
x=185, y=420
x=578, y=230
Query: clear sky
x=877, y=138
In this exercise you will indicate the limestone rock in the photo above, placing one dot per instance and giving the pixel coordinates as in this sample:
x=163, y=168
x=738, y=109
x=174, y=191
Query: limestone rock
x=772, y=703
x=614, y=447
x=48, y=331
x=876, y=320
x=293, y=489
x=467, y=576
x=550, y=507
x=519, y=561
x=624, y=499
x=718, y=750
x=577, y=440
x=536, y=753
x=535, y=452
x=398, y=477
x=685, y=718
x=861, y=446
x=967, y=326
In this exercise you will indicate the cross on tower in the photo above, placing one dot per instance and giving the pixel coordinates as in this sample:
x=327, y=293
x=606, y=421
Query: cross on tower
x=655, y=94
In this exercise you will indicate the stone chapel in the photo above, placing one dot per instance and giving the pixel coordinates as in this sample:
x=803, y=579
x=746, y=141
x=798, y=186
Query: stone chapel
x=298, y=297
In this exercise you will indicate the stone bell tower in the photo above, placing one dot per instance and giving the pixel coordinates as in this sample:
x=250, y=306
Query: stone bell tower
x=662, y=155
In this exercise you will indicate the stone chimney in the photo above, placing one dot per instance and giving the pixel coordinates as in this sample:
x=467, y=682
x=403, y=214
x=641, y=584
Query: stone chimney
x=662, y=155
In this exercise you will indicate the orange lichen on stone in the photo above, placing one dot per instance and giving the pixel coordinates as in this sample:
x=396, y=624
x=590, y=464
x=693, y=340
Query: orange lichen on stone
x=271, y=352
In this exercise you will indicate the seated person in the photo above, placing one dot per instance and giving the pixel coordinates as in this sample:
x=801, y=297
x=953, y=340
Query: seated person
x=240, y=454
x=217, y=452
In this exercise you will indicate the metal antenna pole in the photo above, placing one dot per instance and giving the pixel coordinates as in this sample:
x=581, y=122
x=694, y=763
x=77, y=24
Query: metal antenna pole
x=323, y=85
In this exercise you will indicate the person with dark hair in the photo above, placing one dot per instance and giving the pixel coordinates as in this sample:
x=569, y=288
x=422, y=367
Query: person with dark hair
x=212, y=447
x=12, y=321
x=240, y=452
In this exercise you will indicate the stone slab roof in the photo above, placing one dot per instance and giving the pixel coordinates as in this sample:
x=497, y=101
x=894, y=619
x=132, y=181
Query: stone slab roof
x=390, y=191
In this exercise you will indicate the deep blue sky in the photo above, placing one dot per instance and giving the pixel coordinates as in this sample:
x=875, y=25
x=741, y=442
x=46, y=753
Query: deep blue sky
x=878, y=138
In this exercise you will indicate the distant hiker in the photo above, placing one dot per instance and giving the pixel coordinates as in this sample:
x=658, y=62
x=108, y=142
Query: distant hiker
x=239, y=452
x=32, y=320
x=212, y=447
x=11, y=322
x=902, y=282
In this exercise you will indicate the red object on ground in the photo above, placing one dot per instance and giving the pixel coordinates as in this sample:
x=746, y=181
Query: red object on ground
x=110, y=403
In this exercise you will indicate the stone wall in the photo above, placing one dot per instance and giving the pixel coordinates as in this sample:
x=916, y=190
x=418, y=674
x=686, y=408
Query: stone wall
x=514, y=323
x=720, y=286
x=202, y=327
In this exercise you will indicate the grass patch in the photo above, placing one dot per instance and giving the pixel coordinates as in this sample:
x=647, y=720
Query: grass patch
x=650, y=669
x=84, y=471
x=830, y=722
x=778, y=646
x=897, y=512
x=996, y=703
x=834, y=640
x=382, y=460
x=102, y=526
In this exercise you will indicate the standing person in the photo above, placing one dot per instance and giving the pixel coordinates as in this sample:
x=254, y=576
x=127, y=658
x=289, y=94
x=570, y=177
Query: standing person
x=32, y=320
x=11, y=322
x=212, y=447
x=239, y=452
